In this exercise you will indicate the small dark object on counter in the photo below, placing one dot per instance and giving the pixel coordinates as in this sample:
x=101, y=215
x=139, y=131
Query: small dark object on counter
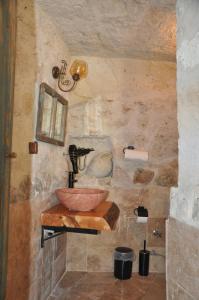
x=141, y=211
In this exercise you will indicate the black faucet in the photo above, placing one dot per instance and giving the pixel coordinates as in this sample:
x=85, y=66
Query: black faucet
x=71, y=179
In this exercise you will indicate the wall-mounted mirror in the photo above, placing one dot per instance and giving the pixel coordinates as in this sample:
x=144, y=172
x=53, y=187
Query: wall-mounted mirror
x=51, y=116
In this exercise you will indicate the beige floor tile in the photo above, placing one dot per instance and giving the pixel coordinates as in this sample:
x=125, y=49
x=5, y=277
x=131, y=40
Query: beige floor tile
x=103, y=286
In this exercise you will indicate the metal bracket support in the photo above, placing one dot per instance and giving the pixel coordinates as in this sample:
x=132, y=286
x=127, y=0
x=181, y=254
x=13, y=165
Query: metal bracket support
x=49, y=232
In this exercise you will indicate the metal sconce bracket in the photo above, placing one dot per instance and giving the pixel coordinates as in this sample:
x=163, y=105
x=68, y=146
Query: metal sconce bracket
x=49, y=232
x=60, y=73
x=55, y=72
x=77, y=71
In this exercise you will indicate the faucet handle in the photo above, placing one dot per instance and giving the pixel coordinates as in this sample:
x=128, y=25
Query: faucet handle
x=157, y=233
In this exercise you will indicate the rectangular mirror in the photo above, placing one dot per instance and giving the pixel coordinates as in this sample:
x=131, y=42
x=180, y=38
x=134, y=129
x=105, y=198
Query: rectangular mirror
x=51, y=116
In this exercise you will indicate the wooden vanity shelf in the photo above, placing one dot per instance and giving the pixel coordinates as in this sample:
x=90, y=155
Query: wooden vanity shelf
x=58, y=220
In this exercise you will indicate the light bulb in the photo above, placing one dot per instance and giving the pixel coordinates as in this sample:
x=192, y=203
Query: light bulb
x=78, y=69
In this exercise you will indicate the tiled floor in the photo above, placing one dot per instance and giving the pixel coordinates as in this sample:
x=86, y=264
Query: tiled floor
x=103, y=286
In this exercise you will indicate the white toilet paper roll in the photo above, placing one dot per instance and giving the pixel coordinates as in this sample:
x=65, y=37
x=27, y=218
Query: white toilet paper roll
x=135, y=154
x=142, y=220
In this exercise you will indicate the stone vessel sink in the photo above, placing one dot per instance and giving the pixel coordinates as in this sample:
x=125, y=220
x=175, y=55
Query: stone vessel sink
x=81, y=199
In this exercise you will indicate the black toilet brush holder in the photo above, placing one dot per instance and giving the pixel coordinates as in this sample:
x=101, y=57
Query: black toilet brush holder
x=144, y=257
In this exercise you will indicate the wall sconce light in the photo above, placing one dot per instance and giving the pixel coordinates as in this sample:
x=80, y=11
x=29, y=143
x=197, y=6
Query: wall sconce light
x=78, y=70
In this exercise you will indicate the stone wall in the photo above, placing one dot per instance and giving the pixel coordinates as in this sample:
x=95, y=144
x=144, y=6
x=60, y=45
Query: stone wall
x=184, y=205
x=126, y=102
x=183, y=232
x=182, y=261
x=122, y=102
x=33, y=272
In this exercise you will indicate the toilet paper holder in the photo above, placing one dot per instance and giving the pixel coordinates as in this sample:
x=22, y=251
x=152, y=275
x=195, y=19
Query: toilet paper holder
x=131, y=153
x=129, y=148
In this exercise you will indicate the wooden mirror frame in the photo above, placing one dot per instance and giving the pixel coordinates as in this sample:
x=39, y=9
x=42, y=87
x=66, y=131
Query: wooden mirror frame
x=50, y=137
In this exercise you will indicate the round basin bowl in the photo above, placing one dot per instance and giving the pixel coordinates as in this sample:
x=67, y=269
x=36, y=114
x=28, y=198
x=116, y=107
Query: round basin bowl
x=81, y=199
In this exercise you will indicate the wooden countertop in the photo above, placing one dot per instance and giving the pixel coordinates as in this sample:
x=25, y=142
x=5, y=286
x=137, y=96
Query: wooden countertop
x=104, y=217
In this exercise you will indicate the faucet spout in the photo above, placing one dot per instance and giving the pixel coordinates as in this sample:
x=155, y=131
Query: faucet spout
x=71, y=179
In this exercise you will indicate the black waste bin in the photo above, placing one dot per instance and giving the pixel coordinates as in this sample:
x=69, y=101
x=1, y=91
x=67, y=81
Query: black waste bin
x=123, y=262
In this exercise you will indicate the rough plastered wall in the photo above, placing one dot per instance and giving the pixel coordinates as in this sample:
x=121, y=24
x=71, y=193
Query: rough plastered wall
x=126, y=102
x=183, y=225
x=33, y=272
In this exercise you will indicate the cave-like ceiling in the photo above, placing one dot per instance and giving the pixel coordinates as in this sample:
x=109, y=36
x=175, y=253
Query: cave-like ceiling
x=143, y=29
